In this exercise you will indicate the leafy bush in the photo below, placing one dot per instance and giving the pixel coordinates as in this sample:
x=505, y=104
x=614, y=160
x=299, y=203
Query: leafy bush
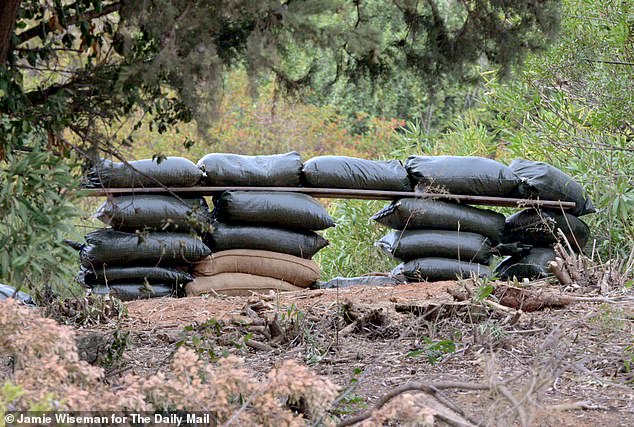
x=569, y=107
x=48, y=375
x=36, y=195
x=351, y=251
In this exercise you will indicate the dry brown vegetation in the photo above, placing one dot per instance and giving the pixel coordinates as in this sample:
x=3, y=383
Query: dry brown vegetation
x=449, y=353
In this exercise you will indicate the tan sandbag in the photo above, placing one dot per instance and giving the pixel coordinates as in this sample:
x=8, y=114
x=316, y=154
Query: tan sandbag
x=236, y=284
x=294, y=270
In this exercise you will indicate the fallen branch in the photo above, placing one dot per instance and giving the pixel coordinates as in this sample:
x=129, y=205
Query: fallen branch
x=430, y=389
x=529, y=300
x=257, y=345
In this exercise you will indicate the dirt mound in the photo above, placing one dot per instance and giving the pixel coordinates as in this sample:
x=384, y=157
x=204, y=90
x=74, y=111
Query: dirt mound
x=172, y=312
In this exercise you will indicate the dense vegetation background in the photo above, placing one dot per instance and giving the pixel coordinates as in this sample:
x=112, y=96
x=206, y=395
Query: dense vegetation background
x=374, y=79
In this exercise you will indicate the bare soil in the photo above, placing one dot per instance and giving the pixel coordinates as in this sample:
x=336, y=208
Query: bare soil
x=565, y=366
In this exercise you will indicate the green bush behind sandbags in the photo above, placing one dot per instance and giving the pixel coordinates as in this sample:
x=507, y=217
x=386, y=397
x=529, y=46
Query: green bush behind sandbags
x=532, y=266
x=539, y=228
x=302, y=244
x=549, y=183
x=407, y=245
x=435, y=269
x=277, y=209
x=412, y=214
x=355, y=173
x=462, y=175
x=170, y=172
x=155, y=212
x=118, y=248
x=277, y=170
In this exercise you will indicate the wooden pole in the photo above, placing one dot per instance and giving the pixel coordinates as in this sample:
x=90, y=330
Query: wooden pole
x=338, y=193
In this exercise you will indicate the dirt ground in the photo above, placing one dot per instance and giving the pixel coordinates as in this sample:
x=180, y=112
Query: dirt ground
x=562, y=366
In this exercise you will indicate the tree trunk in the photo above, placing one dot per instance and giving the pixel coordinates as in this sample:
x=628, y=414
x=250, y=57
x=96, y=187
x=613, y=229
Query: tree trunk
x=8, y=12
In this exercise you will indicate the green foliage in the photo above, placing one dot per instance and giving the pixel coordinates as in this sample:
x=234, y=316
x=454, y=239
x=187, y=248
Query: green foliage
x=483, y=292
x=628, y=361
x=433, y=350
x=570, y=111
x=103, y=59
x=35, y=202
x=202, y=338
x=351, y=251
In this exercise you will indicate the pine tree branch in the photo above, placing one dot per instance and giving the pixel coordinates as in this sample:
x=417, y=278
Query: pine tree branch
x=37, y=31
x=610, y=62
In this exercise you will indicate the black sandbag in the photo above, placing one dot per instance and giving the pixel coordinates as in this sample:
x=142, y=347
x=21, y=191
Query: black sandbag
x=303, y=244
x=351, y=172
x=170, y=171
x=117, y=248
x=407, y=245
x=7, y=292
x=513, y=248
x=134, y=291
x=532, y=266
x=155, y=212
x=277, y=170
x=436, y=269
x=462, y=175
x=346, y=282
x=113, y=275
x=539, y=228
x=286, y=210
x=549, y=183
x=417, y=214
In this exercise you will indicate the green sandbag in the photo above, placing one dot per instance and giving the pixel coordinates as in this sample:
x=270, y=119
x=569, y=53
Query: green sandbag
x=416, y=214
x=532, y=266
x=539, y=228
x=134, y=291
x=407, y=245
x=303, y=244
x=437, y=269
x=170, y=171
x=347, y=282
x=155, y=212
x=462, y=175
x=351, y=172
x=549, y=183
x=112, y=275
x=277, y=170
x=278, y=209
x=117, y=248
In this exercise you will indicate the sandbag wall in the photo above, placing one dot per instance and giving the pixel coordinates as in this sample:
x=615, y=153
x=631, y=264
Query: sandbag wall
x=443, y=240
x=260, y=240
x=153, y=240
x=439, y=240
x=541, y=229
x=265, y=240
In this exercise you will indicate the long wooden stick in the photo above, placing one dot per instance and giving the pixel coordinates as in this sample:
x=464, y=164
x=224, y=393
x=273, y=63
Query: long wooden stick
x=339, y=193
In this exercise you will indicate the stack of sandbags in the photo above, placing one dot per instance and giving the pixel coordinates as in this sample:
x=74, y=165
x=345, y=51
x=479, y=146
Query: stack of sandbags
x=244, y=271
x=152, y=241
x=261, y=240
x=543, y=228
x=439, y=240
